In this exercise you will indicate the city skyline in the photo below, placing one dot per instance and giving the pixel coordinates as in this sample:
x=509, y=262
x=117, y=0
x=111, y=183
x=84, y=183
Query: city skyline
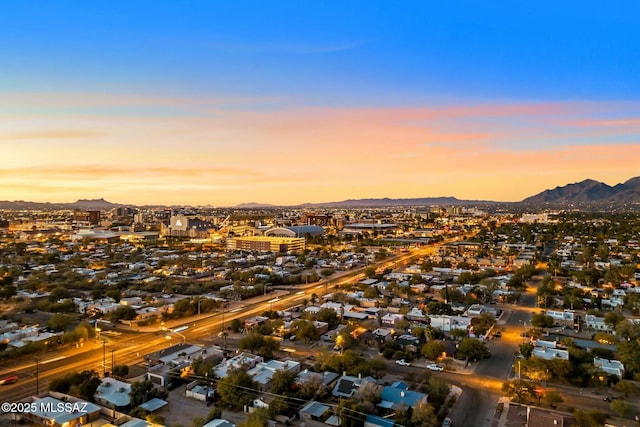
x=222, y=104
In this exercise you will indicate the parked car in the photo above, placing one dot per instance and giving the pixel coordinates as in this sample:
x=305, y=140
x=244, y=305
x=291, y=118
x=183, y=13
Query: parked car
x=402, y=362
x=435, y=367
x=446, y=422
x=497, y=335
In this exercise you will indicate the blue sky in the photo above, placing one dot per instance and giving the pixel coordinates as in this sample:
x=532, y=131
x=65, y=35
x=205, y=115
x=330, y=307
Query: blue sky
x=204, y=60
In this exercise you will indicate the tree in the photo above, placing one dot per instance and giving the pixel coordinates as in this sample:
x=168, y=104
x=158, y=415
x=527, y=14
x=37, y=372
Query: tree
x=540, y=320
x=378, y=366
x=472, y=349
x=282, y=382
x=536, y=369
x=124, y=312
x=482, y=323
x=80, y=384
x=141, y=392
x=350, y=413
x=236, y=325
x=612, y=319
x=519, y=390
x=257, y=418
x=629, y=354
x=326, y=272
x=251, y=342
x=553, y=398
x=259, y=344
x=237, y=388
x=628, y=330
x=592, y=418
x=370, y=272
x=305, y=330
x=433, y=349
x=424, y=416
x=60, y=322
x=120, y=371
x=620, y=407
x=526, y=349
x=626, y=387
x=329, y=316
x=458, y=333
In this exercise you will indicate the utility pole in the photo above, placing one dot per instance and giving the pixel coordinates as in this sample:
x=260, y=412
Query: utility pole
x=113, y=360
x=104, y=358
x=37, y=376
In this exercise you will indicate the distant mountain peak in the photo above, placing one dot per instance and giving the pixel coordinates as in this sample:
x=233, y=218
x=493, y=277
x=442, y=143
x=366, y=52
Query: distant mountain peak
x=253, y=205
x=589, y=191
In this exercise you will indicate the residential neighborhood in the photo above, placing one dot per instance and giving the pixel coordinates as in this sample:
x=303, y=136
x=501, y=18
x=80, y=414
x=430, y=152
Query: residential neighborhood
x=361, y=317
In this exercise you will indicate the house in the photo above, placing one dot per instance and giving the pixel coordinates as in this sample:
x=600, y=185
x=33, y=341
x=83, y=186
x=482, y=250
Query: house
x=596, y=323
x=416, y=315
x=200, y=392
x=348, y=385
x=475, y=310
x=550, y=353
x=612, y=367
x=314, y=411
x=113, y=394
x=383, y=334
x=376, y=421
x=239, y=361
x=218, y=422
x=326, y=378
x=398, y=397
x=542, y=418
x=262, y=372
x=390, y=319
x=447, y=323
x=76, y=412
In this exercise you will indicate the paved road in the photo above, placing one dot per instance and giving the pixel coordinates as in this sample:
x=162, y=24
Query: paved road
x=481, y=391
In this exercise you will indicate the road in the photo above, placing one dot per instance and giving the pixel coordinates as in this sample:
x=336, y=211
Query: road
x=481, y=391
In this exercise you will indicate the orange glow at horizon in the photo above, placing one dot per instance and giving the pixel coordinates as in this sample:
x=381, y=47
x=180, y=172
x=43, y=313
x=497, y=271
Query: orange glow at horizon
x=209, y=154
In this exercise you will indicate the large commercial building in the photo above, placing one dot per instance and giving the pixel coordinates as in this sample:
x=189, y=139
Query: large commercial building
x=86, y=217
x=295, y=231
x=183, y=226
x=266, y=244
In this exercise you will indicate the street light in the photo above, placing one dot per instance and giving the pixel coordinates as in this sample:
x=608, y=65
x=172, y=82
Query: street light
x=175, y=331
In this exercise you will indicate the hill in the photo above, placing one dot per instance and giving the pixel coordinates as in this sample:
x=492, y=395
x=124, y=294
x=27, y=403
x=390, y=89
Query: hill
x=589, y=191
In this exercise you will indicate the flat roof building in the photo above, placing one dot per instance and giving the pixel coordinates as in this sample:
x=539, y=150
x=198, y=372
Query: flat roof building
x=266, y=244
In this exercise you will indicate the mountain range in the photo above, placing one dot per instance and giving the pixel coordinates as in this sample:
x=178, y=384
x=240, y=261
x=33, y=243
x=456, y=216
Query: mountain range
x=587, y=192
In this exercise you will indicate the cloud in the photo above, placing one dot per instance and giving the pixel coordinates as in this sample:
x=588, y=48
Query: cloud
x=54, y=134
x=98, y=171
x=286, y=155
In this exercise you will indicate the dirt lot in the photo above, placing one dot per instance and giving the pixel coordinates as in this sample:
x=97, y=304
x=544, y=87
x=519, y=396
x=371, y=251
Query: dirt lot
x=181, y=409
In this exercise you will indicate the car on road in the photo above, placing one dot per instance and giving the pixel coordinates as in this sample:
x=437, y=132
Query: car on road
x=402, y=362
x=497, y=335
x=446, y=422
x=435, y=367
x=9, y=380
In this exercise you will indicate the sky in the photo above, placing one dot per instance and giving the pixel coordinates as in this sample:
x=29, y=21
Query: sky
x=287, y=102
